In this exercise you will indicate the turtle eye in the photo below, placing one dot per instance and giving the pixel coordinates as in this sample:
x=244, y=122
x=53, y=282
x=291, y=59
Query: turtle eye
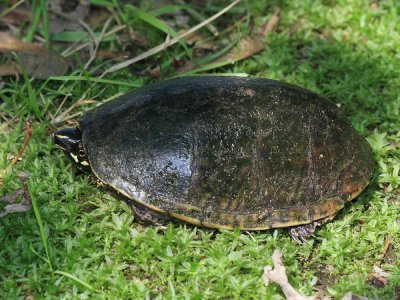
x=81, y=153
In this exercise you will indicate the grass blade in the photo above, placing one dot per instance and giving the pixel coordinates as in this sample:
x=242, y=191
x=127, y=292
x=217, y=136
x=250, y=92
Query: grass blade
x=40, y=224
x=95, y=79
x=161, y=25
x=33, y=105
x=168, y=43
x=76, y=279
x=45, y=16
x=11, y=8
x=36, y=14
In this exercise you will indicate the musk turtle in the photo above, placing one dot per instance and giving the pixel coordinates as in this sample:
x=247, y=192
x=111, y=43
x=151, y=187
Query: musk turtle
x=224, y=152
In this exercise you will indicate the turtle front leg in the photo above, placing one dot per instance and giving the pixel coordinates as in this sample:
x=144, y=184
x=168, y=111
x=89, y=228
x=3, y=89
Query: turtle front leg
x=146, y=215
x=301, y=233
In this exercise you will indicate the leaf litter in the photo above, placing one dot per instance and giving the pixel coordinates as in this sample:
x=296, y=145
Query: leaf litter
x=37, y=61
x=245, y=48
x=277, y=274
x=23, y=192
x=65, y=17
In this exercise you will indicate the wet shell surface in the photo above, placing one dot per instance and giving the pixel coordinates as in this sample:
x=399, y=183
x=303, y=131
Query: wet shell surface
x=226, y=152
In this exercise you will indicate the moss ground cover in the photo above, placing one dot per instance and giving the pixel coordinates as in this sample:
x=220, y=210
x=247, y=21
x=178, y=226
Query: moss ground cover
x=89, y=246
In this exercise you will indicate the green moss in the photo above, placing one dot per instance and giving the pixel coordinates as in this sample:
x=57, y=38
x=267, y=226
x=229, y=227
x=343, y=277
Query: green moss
x=344, y=50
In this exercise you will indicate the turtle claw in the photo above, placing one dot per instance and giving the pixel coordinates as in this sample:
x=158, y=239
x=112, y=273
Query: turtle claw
x=300, y=233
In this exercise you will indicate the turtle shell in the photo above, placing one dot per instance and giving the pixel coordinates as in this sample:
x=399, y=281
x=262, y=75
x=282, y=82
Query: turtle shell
x=226, y=152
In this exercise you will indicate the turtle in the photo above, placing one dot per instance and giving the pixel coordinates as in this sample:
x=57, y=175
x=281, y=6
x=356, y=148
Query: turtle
x=224, y=152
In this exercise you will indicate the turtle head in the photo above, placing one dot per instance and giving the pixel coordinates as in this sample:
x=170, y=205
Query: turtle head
x=70, y=141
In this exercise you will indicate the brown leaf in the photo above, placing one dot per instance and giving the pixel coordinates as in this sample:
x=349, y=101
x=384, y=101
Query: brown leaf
x=97, y=16
x=9, y=69
x=374, y=5
x=246, y=48
x=351, y=296
x=16, y=17
x=378, y=278
x=254, y=44
x=64, y=17
x=24, y=205
x=199, y=40
x=37, y=61
x=43, y=64
x=147, y=68
x=169, y=42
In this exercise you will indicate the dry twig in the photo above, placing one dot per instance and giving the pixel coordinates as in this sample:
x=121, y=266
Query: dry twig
x=168, y=42
x=74, y=48
x=252, y=45
x=246, y=47
x=385, y=249
x=278, y=275
x=65, y=115
x=379, y=278
x=200, y=18
x=28, y=133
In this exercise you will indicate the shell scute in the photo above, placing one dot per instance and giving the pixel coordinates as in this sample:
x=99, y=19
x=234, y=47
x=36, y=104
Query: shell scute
x=227, y=151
